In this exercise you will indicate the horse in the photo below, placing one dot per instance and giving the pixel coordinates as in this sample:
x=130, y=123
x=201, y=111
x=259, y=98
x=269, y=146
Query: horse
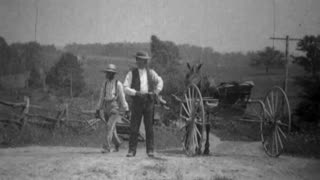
x=208, y=88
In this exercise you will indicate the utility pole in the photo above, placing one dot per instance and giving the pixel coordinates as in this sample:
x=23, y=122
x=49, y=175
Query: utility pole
x=286, y=39
x=36, y=23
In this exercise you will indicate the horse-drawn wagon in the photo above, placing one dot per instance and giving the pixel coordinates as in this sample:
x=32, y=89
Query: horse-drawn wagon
x=201, y=100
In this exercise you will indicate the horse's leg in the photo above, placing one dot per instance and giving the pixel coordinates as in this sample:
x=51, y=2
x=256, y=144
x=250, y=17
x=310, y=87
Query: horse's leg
x=186, y=146
x=207, y=145
x=198, y=149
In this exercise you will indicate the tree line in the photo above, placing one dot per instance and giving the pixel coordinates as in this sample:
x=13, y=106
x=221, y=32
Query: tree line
x=267, y=58
x=48, y=67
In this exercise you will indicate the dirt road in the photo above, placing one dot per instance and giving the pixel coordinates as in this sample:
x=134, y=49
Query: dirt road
x=229, y=160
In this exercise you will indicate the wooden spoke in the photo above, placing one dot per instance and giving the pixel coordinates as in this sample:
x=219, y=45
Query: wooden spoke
x=282, y=124
x=268, y=114
x=184, y=117
x=269, y=109
x=282, y=133
x=198, y=132
x=272, y=102
x=279, y=138
x=188, y=103
x=185, y=109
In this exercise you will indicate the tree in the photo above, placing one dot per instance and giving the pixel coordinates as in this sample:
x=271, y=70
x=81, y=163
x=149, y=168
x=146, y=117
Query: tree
x=66, y=75
x=309, y=107
x=35, y=79
x=4, y=56
x=165, y=60
x=267, y=58
x=310, y=45
x=10, y=62
x=164, y=53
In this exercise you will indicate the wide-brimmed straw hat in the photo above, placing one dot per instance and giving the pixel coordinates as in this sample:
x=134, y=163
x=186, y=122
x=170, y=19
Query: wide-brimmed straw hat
x=142, y=55
x=110, y=68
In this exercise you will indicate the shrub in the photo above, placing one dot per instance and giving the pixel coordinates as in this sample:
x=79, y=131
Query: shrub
x=309, y=108
x=66, y=75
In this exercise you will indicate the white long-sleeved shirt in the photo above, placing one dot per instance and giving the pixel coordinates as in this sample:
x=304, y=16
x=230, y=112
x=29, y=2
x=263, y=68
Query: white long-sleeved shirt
x=143, y=82
x=107, y=92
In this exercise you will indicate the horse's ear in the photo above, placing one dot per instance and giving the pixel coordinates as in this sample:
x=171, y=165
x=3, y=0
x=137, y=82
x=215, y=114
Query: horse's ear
x=188, y=65
x=199, y=67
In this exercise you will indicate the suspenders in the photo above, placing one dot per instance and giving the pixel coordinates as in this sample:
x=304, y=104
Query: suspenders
x=115, y=89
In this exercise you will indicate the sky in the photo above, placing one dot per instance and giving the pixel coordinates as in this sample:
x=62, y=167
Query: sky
x=224, y=25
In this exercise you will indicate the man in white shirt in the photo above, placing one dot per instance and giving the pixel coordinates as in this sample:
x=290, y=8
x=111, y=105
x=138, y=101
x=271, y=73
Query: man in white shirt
x=143, y=85
x=111, y=96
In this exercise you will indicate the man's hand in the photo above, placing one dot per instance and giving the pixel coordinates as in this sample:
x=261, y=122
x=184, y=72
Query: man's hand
x=139, y=94
x=97, y=113
x=127, y=114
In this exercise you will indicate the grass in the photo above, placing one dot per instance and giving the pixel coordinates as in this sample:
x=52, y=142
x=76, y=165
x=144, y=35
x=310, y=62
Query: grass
x=179, y=175
x=304, y=144
x=220, y=178
x=165, y=138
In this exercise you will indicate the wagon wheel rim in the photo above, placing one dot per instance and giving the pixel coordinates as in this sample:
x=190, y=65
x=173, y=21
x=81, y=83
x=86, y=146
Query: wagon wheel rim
x=192, y=113
x=277, y=121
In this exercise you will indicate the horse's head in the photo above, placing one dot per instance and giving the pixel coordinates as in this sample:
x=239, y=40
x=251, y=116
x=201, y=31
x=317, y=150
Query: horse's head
x=193, y=75
x=205, y=83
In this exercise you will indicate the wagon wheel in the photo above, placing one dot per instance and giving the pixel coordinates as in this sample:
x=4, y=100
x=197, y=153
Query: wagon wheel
x=192, y=113
x=277, y=121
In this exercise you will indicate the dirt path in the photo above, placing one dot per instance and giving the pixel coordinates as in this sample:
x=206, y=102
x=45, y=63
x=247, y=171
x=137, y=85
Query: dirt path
x=229, y=160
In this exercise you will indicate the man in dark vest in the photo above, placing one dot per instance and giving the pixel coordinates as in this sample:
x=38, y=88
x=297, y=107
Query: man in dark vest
x=143, y=85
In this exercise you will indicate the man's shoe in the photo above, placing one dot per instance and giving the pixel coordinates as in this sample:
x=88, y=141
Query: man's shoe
x=131, y=154
x=117, y=147
x=150, y=154
x=103, y=151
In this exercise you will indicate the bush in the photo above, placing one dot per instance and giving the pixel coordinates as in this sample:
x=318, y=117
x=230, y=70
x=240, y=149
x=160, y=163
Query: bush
x=309, y=108
x=66, y=76
x=165, y=58
x=35, y=79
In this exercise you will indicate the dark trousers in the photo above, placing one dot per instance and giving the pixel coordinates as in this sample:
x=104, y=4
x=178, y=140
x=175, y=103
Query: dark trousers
x=141, y=107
